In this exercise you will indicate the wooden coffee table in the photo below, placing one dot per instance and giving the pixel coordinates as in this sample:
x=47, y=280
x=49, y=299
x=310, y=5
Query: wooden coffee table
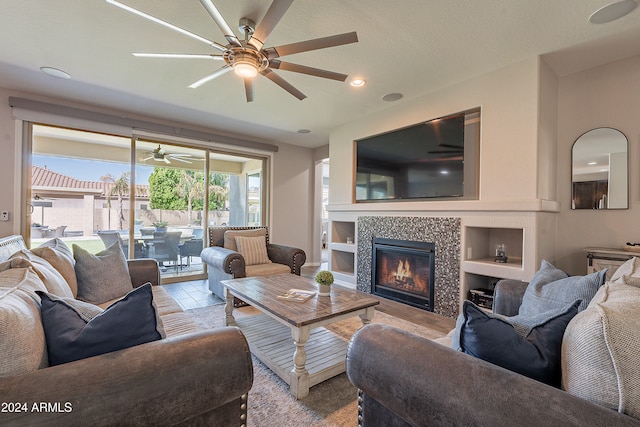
x=288, y=336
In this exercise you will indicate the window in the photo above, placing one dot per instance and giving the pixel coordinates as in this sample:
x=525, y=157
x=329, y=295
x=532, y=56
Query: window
x=92, y=189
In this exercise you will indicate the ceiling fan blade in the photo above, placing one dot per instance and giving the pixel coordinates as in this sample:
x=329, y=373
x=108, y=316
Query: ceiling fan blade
x=167, y=24
x=248, y=89
x=220, y=22
x=148, y=158
x=178, y=55
x=210, y=77
x=305, y=46
x=180, y=160
x=274, y=14
x=283, y=84
x=317, y=72
x=166, y=160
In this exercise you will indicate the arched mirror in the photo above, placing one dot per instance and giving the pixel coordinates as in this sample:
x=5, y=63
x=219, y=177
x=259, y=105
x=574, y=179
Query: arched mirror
x=599, y=170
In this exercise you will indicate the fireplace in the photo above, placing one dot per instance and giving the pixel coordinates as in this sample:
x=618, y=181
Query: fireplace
x=403, y=271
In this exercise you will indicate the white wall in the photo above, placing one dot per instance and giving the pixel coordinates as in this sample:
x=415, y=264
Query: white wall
x=291, y=188
x=606, y=96
x=509, y=159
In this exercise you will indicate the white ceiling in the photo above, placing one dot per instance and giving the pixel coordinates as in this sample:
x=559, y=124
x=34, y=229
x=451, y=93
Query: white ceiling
x=409, y=46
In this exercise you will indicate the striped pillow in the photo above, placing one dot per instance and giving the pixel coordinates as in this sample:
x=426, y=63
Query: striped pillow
x=253, y=249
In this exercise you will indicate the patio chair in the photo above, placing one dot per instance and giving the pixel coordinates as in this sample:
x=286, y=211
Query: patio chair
x=109, y=237
x=166, y=248
x=189, y=249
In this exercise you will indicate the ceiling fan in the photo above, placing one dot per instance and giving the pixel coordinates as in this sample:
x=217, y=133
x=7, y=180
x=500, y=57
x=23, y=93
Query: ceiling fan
x=248, y=57
x=160, y=155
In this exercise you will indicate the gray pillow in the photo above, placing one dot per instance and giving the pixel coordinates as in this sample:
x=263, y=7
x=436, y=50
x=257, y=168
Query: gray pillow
x=101, y=277
x=551, y=289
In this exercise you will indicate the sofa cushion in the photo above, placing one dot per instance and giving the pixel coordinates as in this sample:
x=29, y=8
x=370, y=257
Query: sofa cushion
x=52, y=279
x=536, y=356
x=58, y=254
x=253, y=250
x=267, y=269
x=230, y=236
x=101, y=277
x=131, y=321
x=22, y=343
x=551, y=289
x=601, y=347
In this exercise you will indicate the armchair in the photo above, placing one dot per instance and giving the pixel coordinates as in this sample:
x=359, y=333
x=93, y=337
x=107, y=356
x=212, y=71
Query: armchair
x=225, y=262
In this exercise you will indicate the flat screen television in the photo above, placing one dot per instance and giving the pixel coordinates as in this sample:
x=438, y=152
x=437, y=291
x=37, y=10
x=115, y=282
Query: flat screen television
x=433, y=160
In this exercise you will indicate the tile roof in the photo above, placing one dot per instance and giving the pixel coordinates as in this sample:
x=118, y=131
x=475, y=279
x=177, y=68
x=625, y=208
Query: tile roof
x=45, y=178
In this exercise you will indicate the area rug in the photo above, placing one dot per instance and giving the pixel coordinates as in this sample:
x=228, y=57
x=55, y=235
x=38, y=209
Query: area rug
x=330, y=403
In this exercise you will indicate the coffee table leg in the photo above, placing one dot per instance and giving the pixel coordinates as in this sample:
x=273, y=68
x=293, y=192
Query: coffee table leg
x=229, y=320
x=299, y=383
x=367, y=316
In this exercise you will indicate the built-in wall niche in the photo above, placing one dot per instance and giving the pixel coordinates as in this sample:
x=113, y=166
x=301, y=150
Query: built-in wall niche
x=481, y=243
x=343, y=232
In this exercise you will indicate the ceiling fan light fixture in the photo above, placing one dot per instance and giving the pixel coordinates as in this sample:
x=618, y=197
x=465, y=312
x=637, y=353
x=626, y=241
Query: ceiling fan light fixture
x=246, y=70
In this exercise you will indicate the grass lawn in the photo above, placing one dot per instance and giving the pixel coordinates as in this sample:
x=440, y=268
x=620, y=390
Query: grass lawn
x=91, y=245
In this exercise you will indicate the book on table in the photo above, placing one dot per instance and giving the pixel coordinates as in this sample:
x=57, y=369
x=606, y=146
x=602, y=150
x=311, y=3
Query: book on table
x=297, y=295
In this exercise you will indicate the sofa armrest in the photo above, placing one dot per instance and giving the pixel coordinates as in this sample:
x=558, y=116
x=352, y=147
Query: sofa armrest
x=287, y=255
x=227, y=260
x=507, y=296
x=164, y=382
x=425, y=383
x=143, y=270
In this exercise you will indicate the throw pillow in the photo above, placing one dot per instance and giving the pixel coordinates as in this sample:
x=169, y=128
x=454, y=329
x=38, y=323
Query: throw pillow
x=551, y=289
x=61, y=258
x=52, y=279
x=230, y=236
x=253, y=250
x=22, y=343
x=128, y=322
x=85, y=310
x=101, y=277
x=631, y=268
x=600, y=350
x=536, y=356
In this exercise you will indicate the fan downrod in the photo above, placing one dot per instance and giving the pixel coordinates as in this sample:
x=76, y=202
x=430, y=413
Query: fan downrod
x=247, y=26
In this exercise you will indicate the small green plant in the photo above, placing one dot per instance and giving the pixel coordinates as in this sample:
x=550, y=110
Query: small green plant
x=160, y=224
x=324, y=277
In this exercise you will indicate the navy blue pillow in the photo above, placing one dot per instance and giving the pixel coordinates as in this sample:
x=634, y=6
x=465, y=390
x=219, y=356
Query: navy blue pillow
x=126, y=323
x=492, y=339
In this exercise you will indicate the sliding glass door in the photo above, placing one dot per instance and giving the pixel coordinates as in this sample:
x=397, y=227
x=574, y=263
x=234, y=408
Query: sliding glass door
x=154, y=198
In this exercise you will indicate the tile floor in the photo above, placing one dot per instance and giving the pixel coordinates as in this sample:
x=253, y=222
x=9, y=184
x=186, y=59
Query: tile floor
x=192, y=294
x=196, y=293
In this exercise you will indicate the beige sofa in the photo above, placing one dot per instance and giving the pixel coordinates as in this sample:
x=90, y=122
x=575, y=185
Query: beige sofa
x=191, y=377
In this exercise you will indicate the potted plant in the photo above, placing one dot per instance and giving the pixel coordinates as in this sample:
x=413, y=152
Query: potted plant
x=324, y=279
x=161, y=226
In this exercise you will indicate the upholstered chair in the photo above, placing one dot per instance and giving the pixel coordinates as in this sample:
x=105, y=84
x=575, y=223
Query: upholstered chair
x=226, y=258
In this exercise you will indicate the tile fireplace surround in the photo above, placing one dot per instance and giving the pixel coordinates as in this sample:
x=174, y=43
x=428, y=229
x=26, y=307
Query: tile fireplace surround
x=444, y=232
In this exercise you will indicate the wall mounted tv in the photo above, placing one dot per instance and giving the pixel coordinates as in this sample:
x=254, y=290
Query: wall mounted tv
x=433, y=160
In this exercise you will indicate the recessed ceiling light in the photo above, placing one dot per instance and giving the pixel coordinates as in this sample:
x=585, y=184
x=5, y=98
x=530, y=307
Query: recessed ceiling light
x=304, y=131
x=613, y=11
x=390, y=97
x=592, y=163
x=54, y=72
x=358, y=82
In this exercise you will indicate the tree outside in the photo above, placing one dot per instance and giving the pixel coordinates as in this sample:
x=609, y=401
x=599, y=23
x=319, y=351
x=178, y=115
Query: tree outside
x=120, y=189
x=180, y=189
